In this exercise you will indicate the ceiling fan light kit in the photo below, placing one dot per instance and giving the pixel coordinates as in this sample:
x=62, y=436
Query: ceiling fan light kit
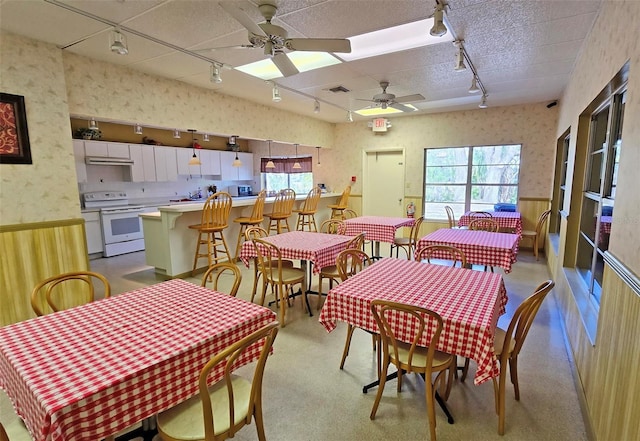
x=118, y=43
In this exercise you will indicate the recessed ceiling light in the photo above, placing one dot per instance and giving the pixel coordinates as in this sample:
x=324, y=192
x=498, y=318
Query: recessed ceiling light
x=370, y=111
x=395, y=39
x=303, y=60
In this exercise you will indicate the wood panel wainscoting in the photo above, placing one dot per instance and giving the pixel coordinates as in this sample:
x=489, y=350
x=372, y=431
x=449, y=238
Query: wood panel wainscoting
x=530, y=209
x=32, y=252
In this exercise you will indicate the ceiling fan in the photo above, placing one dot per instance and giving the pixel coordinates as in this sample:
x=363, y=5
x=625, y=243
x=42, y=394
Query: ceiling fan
x=274, y=39
x=384, y=99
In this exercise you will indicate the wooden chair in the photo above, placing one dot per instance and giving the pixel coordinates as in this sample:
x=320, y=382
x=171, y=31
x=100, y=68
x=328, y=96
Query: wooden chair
x=281, y=278
x=411, y=357
x=451, y=217
x=256, y=218
x=479, y=214
x=455, y=254
x=235, y=399
x=349, y=213
x=350, y=262
x=79, y=288
x=484, y=224
x=332, y=226
x=215, y=219
x=281, y=210
x=408, y=244
x=259, y=233
x=331, y=272
x=337, y=209
x=215, y=271
x=306, y=213
x=535, y=235
x=507, y=345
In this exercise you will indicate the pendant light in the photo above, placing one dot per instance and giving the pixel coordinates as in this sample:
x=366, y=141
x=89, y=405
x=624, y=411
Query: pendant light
x=137, y=129
x=296, y=165
x=194, y=159
x=270, y=163
x=176, y=134
x=318, y=147
x=93, y=125
x=232, y=142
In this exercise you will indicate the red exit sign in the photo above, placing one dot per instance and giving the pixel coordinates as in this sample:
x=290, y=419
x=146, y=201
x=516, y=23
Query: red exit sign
x=380, y=125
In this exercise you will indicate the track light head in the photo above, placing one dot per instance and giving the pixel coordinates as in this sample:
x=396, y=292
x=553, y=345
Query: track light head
x=460, y=66
x=118, y=43
x=137, y=129
x=350, y=116
x=474, y=86
x=438, y=29
x=483, y=102
x=275, y=94
x=215, y=74
x=316, y=107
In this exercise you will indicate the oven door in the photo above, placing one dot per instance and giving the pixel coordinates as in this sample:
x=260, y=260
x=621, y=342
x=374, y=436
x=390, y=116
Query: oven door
x=121, y=225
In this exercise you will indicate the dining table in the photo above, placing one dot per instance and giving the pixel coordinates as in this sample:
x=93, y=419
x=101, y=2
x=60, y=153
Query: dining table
x=377, y=228
x=508, y=220
x=469, y=302
x=480, y=247
x=88, y=372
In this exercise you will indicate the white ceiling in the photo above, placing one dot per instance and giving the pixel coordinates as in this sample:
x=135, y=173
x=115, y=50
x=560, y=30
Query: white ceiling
x=523, y=50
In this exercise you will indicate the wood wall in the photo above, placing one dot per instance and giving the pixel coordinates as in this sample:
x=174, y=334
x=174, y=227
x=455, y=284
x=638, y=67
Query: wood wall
x=30, y=253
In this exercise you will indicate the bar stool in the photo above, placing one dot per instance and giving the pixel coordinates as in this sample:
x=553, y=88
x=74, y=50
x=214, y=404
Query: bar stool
x=255, y=219
x=337, y=209
x=215, y=218
x=306, y=213
x=282, y=208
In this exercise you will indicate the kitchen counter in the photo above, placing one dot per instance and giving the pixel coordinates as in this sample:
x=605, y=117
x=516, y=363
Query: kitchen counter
x=170, y=243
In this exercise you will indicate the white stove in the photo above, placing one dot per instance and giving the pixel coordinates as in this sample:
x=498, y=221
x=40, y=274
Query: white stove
x=121, y=223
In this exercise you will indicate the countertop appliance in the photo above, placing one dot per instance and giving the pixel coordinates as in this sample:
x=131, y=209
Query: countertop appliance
x=240, y=190
x=121, y=223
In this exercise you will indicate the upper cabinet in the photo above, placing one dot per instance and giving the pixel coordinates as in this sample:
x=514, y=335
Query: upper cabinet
x=106, y=149
x=166, y=163
x=78, y=153
x=210, y=162
x=231, y=173
x=209, y=159
x=144, y=163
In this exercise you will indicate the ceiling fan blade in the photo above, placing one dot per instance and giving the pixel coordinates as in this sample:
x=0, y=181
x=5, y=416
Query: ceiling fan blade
x=284, y=64
x=369, y=101
x=237, y=46
x=401, y=107
x=318, y=44
x=236, y=11
x=409, y=98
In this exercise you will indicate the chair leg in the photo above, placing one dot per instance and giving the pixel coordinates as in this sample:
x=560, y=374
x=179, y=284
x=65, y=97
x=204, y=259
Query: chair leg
x=243, y=227
x=383, y=379
x=513, y=370
x=501, y=399
x=465, y=370
x=347, y=344
x=431, y=410
x=535, y=247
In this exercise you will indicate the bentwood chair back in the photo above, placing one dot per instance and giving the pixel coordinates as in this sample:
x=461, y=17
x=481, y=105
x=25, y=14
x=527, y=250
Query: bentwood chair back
x=67, y=290
x=408, y=244
x=349, y=213
x=214, y=220
x=479, y=214
x=337, y=209
x=535, y=235
x=332, y=226
x=282, y=209
x=306, y=213
x=350, y=262
x=455, y=255
x=220, y=410
x=412, y=357
x=484, y=224
x=229, y=269
x=281, y=278
x=255, y=219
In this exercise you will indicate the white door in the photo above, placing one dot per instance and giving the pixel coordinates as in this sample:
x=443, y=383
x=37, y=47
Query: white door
x=383, y=183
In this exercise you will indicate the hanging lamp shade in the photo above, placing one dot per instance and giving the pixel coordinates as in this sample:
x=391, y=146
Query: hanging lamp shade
x=296, y=165
x=270, y=163
x=236, y=162
x=194, y=159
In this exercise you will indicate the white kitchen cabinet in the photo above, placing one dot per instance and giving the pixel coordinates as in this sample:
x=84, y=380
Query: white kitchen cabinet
x=93, y=232
x=106, y=149
x=78, y=153
x=231, y=173
x=166, y=164
x=210, y=162
x=144, y=163
x=183, y=155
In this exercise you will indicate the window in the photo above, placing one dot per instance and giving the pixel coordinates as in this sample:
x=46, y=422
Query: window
x=470, y=178
x=601, y=174
x=283, y=175
x=560, y=183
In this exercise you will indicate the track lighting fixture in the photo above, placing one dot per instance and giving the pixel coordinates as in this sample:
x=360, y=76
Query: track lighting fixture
x=438, y=29
x=205, y=137
x=118, y=43
x=483, y=102
x=349, y=116
x=93, y=125
x=275, y=94
x=296, y=165
x=270, y=163
x=459, y=56
x=194, y=159
x=316, y=107
x=176, y=134
x=318, y=148
x=474, y=86
x=137, y=129
x=215, y=73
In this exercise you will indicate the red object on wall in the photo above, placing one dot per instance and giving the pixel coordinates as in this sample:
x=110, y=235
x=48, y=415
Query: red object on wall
x=353, y=179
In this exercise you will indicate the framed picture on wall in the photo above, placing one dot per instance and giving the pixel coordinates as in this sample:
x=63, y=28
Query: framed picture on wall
x=14, y=135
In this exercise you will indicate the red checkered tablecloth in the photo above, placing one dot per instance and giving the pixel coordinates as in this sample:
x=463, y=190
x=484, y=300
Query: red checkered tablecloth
x=87, y=372
x=377, y=228
x=504, y=219
x=469, y=302
x=479, y=247
x=319, y=248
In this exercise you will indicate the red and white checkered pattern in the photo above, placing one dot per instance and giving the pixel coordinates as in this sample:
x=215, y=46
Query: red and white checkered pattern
x=88, y=372
x=377, y=228
x=319, y=248
x=479, y=247
x=469, y=302
x=504, y=219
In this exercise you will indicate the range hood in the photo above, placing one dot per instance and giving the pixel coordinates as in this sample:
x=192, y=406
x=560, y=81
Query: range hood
x=103, y=160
